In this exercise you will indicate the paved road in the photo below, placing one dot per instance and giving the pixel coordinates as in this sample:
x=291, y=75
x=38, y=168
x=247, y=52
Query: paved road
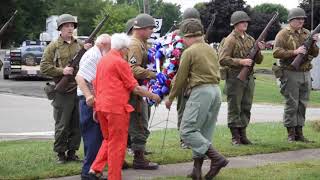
x=23, y=116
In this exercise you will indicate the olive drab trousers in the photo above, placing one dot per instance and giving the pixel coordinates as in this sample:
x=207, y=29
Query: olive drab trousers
x=239, y=98
x=295, y=87
x=139, y=119
x=181, y=104
x=66, y=115
x=200, y=117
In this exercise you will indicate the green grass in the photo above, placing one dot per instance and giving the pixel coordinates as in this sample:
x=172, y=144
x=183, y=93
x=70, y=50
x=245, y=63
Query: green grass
x=32, y=159
x=285, y=171
x=267, y=62
x=267, y=91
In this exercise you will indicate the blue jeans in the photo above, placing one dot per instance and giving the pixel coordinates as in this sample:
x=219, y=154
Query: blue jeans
x=91, y=134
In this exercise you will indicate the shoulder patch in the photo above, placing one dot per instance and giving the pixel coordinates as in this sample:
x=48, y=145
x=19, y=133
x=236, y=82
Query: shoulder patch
x=133, y=60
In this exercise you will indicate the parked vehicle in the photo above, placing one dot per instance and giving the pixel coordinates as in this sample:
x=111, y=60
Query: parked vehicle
x=24, y=61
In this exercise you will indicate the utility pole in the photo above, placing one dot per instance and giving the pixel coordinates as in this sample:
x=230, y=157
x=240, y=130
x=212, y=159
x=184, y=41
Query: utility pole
x=311, y=15
x=146, y=7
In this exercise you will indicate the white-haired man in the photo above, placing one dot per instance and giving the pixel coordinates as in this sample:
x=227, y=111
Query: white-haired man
x=90, y=130
x=112, y=107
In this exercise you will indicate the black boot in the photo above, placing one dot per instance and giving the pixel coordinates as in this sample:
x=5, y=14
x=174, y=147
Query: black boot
x=71, y=156
x=217, y=162
x=243, y=136
x=235, y=136
x=291, y=134
x=299, y=135
x=139, y=161
x=196, y=171
x=61, y=158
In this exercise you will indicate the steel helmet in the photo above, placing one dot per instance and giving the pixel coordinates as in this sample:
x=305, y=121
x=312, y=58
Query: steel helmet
x=143, y=21
x=66, y=18
x=191, y=28
x=191, y=13
x=239, y=16
x=296, y=13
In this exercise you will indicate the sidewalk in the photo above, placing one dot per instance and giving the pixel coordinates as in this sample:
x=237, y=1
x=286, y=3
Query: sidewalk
x=182, y=169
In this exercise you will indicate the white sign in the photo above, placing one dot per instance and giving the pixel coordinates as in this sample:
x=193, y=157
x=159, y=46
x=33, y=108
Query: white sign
x=158, y=23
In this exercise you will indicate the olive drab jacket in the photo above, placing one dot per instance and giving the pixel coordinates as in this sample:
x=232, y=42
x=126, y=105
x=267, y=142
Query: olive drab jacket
x=234, y=48
x=57, y=56
x=286, y=41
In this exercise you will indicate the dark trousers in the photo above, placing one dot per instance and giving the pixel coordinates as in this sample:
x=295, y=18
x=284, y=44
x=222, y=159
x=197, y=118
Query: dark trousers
x=91, y=134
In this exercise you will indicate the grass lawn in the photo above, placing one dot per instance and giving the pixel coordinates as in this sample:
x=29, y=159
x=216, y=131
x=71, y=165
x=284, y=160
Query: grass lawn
x=34, y=159
x=267, y=91
x=296, y=170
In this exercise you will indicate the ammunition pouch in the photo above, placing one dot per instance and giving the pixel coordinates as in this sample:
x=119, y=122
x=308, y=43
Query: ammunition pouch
x=277, y=70
x=49, y=90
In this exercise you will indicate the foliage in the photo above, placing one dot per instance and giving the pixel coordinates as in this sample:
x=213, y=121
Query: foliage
x=306, y=5
x=224, y=9
x=270, y=8
x=259, y=21
x=119, y=14
x=167, y=11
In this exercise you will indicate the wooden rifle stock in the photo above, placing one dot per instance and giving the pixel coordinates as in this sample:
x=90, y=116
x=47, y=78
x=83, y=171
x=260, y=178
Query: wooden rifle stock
x=245, y=70
x=63, y=82
x=298, y=60
x=6, y=25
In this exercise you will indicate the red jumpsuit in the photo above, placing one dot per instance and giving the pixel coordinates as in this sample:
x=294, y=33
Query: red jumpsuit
x=113, y=84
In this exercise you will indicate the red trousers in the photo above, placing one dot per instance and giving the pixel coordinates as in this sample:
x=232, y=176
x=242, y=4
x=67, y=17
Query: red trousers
x=114, y=128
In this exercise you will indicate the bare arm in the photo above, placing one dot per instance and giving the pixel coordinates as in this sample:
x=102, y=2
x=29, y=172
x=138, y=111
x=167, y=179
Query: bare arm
x=143, y=92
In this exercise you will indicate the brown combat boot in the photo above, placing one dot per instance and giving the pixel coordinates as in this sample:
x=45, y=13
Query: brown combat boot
x=235, y=136
x=291, y=134
x=196, y=173
x=243, y=136
x=217, y=162
x=139, y=161
x=299, y=135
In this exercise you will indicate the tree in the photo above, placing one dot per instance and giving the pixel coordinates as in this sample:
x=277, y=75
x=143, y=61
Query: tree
x=168, y=12
x=6, y=11
x=85, y=10
x=224, y=9
x=258, y=22
x=270, y=8
x=306, y=5
x=119, y=14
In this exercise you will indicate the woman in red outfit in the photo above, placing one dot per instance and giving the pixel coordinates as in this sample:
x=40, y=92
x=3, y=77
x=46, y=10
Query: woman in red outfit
x=113, y=84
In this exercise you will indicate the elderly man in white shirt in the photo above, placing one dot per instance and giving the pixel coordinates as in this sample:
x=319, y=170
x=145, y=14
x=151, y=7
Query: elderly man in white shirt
x=90, y=130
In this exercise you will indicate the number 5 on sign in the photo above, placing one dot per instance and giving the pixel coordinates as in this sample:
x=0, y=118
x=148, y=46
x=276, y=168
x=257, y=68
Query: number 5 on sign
x=158, y=23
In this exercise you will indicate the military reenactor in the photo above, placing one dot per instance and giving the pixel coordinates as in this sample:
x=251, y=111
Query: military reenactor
x=138, y=58
x=295, y=84
x=232, y=57
x=54, y=63
x=182, y=98
x=199, y=71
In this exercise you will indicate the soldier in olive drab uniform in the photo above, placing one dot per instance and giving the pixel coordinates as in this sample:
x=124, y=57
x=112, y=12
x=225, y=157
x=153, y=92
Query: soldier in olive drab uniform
x=138, y=59
x=232, y=57
x=65, y=105
x=295, y=84
x=182, y=98
x=199, y=64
